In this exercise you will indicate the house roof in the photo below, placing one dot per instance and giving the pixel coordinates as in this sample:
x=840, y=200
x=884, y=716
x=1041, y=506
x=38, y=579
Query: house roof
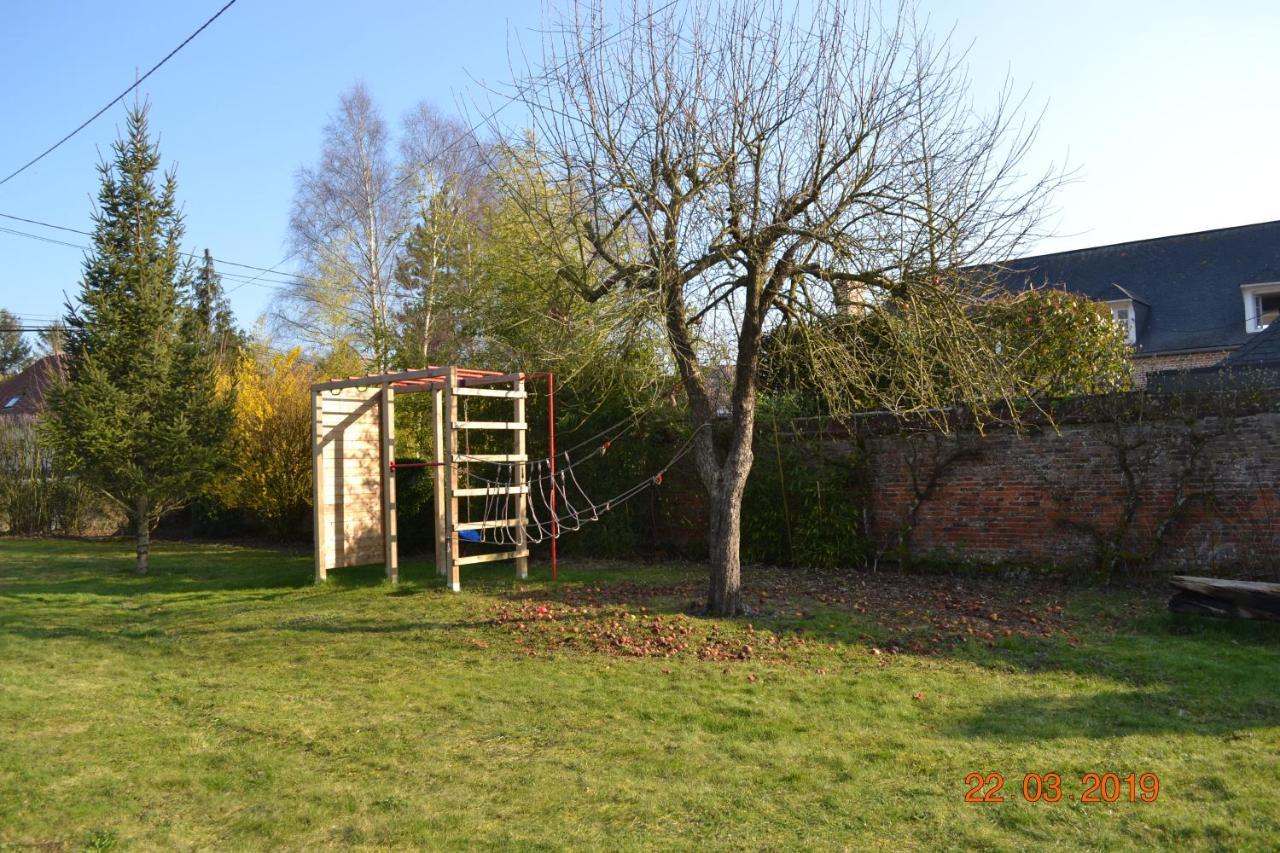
x=24, y=394
x=1188, y=283
x=1262, y=350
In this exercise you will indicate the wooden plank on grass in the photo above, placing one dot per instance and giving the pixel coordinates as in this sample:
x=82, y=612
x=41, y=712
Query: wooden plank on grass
x=1225, y=598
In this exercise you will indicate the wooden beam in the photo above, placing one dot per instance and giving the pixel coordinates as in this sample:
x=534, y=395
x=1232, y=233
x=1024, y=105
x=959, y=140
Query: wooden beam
x=491, y=558
x=522, y=482
x=490, y=425
x=489, y=525
x=387, y=443
x=490, y=392
x=454, y=578
x=439, y=476
x=492, y=457
x=375, y=380
x=319, y=515
x=378, y=379
x=494, y=379
x=490, y=491
x=1225, y=598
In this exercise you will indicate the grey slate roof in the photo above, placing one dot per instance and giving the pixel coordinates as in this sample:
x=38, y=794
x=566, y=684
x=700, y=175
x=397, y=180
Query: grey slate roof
x=1262, y=350
x=1188, y=283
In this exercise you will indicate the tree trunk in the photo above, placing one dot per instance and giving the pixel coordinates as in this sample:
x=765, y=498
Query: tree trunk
x=142, y=522
x=724, y=590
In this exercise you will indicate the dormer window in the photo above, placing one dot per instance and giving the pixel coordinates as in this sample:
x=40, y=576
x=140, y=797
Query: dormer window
x=1261, y=305
x=12, y=401
x=1122, y=312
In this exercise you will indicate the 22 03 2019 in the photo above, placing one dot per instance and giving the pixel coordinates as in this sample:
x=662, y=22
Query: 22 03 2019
x=1048, y=788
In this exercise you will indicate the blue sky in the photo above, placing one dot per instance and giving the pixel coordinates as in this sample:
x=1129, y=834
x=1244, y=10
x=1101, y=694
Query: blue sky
x=1169, y=110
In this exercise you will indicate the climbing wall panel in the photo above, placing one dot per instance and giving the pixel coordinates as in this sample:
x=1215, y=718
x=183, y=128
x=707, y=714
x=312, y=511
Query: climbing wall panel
x=347, y=455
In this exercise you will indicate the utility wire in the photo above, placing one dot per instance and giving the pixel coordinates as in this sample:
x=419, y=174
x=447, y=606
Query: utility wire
x=114, y=101
x=222, y=261
x=244, y=278
x=397, y=185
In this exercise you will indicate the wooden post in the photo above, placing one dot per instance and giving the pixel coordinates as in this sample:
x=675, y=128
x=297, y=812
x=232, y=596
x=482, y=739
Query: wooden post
x=521, y=479
x=454, y=577
x=319, y=516
x=439, y=473
x=390, y=545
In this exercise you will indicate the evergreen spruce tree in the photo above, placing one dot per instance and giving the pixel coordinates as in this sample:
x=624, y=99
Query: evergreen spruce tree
x=139, y=416
x=213, y=310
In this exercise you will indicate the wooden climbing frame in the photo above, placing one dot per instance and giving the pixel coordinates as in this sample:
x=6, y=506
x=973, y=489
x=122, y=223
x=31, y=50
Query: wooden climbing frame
x=353, y=449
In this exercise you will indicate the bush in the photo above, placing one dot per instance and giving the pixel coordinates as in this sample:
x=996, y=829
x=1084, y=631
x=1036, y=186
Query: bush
x=270, y=465
x=36, y=496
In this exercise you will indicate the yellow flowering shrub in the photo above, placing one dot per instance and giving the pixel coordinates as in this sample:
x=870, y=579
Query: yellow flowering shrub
x=271, y=440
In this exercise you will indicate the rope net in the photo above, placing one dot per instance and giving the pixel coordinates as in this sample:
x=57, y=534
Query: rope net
x=573, y=505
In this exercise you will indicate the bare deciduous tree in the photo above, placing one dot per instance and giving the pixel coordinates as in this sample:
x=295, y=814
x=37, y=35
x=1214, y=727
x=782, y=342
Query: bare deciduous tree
x=444, y=166
x=744, y=165
x=348, y=212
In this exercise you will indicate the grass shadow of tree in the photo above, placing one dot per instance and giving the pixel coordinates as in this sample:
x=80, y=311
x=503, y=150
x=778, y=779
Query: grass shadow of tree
x=1151, y=671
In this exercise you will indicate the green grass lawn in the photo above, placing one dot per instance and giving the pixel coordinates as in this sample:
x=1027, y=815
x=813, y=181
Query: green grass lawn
x=227, y=702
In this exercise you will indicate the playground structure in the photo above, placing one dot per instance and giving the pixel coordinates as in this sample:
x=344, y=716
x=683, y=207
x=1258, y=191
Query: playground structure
x=525, y=501
x=354, y=465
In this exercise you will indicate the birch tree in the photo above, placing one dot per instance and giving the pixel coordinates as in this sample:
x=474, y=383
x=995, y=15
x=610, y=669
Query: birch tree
x=347, y=219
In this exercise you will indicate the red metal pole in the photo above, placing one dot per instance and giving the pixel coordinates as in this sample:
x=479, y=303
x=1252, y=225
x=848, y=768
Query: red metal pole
x=551, y=425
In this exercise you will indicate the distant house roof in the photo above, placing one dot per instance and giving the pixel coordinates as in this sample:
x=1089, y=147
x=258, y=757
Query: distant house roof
x=1262, y=350
x=1187, y=284
x=24, y=394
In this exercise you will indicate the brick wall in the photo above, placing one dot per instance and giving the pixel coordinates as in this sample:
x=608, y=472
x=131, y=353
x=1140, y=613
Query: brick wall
x=1143, y=366
x=1199, y=476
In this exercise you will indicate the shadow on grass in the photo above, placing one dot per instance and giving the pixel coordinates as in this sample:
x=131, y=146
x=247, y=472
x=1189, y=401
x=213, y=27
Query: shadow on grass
x=66, y=567
x=1148, y=671
x=301, y=625
x=1114, y=714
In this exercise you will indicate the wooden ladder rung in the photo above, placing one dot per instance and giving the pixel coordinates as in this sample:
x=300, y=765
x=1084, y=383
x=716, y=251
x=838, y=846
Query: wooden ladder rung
x=487, y=525
x=490, y=392
x=491, y=490
x=492, y=457
x=488, y=425
x=490, y=558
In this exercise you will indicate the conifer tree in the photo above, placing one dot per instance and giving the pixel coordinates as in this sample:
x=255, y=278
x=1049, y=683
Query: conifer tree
x=213, y=310
x=139, y=416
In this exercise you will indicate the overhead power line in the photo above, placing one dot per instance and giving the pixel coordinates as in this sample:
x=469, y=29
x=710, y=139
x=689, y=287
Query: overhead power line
x=222, y=261
x=287, y=278
x=274, y=270
x=114, y=101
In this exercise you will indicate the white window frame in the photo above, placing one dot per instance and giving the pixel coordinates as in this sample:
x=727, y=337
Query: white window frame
x=1251, y=292
x=1130, y=321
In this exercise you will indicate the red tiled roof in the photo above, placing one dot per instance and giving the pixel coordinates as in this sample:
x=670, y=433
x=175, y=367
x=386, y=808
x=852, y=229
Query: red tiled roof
x=24, y=394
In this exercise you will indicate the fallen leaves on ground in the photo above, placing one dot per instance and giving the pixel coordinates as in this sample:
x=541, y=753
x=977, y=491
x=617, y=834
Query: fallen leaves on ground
x=796, y=610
